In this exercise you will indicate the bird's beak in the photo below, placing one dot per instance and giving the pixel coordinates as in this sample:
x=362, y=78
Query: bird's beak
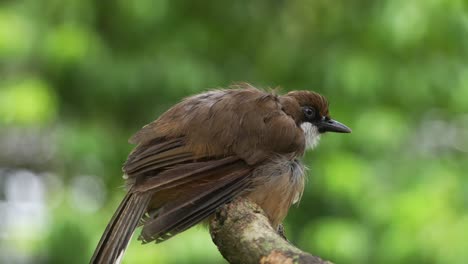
x=332, y=126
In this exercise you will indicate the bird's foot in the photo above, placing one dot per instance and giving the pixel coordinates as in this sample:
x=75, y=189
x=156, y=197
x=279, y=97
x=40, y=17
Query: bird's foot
x=282, y=232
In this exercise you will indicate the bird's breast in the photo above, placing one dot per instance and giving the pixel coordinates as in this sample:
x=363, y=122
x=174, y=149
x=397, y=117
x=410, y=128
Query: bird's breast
x=279, y=184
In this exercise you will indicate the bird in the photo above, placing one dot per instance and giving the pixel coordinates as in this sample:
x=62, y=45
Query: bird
x=209, y=149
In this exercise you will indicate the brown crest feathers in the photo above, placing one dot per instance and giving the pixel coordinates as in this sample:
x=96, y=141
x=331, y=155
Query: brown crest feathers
x=308, y=98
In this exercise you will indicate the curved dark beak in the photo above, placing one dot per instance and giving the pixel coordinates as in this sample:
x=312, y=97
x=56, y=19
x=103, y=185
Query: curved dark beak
x=332, y=126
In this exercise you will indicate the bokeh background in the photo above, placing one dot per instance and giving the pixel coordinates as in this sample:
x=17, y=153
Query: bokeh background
x=78, y=77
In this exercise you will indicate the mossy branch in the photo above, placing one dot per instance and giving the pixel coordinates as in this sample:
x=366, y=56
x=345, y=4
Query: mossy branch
x=244, y=235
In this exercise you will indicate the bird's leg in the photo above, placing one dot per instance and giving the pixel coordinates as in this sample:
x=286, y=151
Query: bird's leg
x=281, y=232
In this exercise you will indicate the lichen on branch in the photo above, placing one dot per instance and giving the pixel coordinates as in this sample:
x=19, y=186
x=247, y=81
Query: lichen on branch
x=243, y=235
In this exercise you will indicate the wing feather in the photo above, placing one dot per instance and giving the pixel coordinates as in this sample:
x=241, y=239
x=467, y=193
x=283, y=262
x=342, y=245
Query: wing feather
x=198, y=203
x=185, y=173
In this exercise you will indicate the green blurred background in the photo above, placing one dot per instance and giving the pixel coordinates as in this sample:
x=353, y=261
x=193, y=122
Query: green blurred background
x=78, y=77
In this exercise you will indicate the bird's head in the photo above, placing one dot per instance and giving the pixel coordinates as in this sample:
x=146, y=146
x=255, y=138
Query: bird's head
x=314, y=117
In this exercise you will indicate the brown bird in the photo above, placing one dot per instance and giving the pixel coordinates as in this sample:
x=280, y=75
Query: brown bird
x=209, y=149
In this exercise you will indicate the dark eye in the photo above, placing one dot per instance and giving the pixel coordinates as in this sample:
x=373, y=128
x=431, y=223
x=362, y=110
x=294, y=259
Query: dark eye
x=309, y=113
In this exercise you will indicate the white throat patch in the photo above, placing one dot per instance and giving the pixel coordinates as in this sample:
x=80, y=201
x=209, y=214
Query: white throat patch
x=312, y=135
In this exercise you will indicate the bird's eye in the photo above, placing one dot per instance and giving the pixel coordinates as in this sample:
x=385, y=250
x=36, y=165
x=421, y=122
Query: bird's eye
x=309, y=113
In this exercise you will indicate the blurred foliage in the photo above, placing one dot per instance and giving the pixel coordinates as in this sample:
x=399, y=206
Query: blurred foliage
x=78, y=77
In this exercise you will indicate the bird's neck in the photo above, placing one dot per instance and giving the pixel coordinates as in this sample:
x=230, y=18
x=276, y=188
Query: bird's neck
x=291, y=107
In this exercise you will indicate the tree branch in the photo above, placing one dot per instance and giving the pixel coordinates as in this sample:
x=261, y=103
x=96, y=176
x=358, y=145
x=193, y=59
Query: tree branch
x=244, y=235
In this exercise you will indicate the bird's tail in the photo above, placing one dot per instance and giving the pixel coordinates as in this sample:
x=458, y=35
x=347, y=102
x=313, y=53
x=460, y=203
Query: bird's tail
x=119, y=231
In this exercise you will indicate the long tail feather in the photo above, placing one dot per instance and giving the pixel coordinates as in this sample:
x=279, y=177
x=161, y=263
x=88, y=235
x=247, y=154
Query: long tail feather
x=119, y=231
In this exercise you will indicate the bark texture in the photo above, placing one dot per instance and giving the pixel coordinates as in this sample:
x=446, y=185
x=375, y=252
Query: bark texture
x=244, y=235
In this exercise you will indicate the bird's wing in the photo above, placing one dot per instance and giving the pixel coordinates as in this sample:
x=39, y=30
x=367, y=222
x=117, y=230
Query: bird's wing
x=201, y=188
x=185, y=188
x=201, y=153
x=248, y=123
